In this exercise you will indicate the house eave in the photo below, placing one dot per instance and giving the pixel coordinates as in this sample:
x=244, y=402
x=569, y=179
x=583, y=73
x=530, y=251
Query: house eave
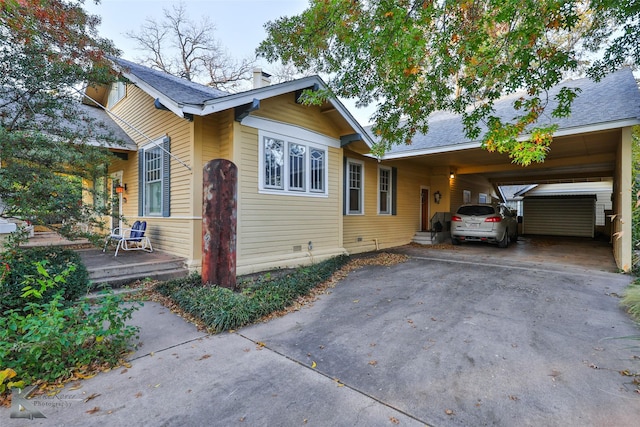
x=248, y=97
x=596, y=127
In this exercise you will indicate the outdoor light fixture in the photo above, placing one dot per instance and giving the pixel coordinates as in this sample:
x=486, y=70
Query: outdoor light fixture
x=121, y=188
x=436, y=197
x=452, y=175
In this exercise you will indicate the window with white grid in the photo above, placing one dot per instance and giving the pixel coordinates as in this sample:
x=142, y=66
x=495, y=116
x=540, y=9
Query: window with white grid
x=292, y=166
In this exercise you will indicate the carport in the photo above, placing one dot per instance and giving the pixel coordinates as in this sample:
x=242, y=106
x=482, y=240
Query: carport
x=593, y=144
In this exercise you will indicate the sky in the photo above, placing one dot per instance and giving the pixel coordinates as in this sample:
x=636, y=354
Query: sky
x=239, y=25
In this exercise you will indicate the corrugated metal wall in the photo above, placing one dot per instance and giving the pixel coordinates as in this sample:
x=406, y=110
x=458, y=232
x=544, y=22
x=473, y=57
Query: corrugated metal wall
x=559, y=216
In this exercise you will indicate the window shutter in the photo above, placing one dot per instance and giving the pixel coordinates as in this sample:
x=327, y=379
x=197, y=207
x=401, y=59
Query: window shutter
x=166, y=177
x=140, y=182
x=394, y=192
x=345, y=187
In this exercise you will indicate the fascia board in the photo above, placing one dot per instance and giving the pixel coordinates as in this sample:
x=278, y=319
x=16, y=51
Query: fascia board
x=433, y=150
x=596, y=127
x=235, y=100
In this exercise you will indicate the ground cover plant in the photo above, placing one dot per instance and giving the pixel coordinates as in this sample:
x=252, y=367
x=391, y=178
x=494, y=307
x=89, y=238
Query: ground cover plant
x=219, y=309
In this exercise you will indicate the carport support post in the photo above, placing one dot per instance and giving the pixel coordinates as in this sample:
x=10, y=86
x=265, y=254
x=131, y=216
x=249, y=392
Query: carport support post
x=219, y=218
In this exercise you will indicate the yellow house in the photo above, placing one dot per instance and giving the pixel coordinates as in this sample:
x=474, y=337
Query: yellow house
x=307, y=187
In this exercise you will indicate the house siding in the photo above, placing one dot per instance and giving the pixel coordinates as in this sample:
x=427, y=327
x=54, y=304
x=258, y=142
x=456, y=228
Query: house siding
x=308, y=117
x=167, y=234
x=475, y=184
x=274, y=230
x=371, y=231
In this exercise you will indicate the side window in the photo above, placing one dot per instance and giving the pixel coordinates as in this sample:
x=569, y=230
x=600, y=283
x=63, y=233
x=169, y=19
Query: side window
x=355, y=187
x=297, y=163
x=154, y=179
x=384, y=190
x=318, y=167
x=273, y=163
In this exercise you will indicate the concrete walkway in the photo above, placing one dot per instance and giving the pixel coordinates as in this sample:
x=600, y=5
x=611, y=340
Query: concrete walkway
x=436, y=342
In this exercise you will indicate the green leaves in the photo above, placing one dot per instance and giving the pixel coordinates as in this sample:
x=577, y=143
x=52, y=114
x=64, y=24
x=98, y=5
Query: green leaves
x=49, y=48
x=222, y=309
x=48, y=341
x=412, y=58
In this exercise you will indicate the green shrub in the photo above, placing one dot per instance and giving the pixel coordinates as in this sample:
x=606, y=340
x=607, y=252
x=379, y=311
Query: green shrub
x=22, y=265
x=47, y=341
x=223, y=309
x=631, y=300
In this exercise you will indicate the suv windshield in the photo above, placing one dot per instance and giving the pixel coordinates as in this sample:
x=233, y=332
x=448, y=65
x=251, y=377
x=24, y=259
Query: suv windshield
x=476, y=210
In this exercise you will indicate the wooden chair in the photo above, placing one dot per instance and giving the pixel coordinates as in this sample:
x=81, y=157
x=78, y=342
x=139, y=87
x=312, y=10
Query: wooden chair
x=130, y=239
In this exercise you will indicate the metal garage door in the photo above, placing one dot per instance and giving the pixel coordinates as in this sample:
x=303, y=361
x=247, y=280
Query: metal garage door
x=559, y=215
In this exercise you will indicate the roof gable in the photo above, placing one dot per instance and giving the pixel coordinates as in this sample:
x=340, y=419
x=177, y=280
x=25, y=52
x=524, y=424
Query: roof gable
x=185, y=98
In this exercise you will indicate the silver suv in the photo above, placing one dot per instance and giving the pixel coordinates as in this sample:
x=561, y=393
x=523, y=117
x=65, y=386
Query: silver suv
x=484, y=223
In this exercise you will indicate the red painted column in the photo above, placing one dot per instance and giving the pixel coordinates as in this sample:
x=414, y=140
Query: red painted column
x=219, y=219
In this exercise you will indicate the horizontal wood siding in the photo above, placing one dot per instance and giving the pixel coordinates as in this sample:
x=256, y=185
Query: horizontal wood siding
x=361, y=231
x=272, y=227
x=168, y=234
x=284, y=108
x=476, y=184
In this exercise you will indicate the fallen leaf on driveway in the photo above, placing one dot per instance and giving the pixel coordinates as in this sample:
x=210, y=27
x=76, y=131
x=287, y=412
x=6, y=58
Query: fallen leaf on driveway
x=313, y=365
x=93, y=396
x=93, y=410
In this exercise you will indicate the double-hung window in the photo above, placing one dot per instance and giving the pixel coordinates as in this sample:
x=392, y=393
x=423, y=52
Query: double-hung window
x=292, y=166
x=154, y=178
x=355, y=187
x=384, y=190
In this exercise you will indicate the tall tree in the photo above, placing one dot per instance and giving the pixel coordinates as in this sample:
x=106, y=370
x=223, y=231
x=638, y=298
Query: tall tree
x=182, y=47
x=413, y=57
x=49, y=142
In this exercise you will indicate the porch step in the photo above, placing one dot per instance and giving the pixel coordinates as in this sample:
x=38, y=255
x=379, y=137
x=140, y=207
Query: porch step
x=49, y=238
x=127, y=267
x=423, y=238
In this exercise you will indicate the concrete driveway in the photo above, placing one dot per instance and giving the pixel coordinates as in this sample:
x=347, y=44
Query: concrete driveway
x=438, y=342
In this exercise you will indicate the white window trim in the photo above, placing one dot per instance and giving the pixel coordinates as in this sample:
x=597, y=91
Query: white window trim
x=285, y=130
x=390, y=189
x=347, y=189
x=286, y=190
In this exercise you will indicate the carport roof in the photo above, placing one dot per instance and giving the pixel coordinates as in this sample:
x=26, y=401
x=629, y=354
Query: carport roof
x=612, y=103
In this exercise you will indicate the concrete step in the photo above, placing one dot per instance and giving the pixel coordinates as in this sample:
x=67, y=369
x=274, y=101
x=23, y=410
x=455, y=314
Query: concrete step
x=116, y=281
x=127, y=267
x=422, y=238
x=138, y=269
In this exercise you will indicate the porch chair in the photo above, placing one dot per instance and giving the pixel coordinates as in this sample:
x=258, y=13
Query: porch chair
x=130, y=239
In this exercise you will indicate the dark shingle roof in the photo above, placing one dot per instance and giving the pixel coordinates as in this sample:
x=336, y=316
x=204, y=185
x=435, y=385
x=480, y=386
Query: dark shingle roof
x=107, y=129
x=615, y=98
x=179, y=90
